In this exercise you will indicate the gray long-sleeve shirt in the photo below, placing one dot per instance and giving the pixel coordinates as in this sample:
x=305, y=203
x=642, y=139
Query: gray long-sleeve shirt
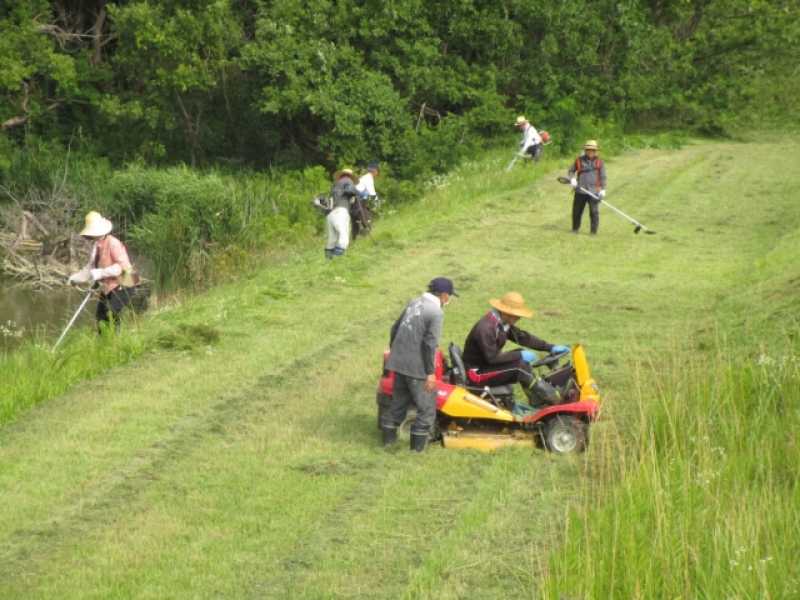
x=343, y=192
x=415, y=337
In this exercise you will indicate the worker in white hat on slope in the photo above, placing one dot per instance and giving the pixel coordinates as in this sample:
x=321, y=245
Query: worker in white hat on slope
x=109, y=268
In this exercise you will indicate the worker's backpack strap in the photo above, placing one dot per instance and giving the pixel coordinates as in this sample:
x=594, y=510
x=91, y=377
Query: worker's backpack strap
x=598, y=164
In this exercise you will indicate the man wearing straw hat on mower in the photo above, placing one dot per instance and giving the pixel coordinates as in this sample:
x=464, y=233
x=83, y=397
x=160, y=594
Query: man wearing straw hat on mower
x=108, y=268
x=587, y=172
x=338, y=220
x=483, y=355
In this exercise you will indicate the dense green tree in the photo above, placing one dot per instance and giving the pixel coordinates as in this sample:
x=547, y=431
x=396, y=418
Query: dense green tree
x=170, y=69
x=293, y=82
x=37, y=73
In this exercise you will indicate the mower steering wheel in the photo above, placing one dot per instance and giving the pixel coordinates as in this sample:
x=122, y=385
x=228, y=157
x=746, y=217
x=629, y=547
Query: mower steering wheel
x=550, y=360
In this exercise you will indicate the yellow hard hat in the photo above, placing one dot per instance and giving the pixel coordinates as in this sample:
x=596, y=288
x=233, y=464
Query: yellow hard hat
x=591, y=145
x=95, y=225
x=520, y=120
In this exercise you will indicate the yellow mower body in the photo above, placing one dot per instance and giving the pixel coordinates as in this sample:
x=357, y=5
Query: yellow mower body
x=583, y=376
x=477, y=422
x=464, y=405
x=484, y=418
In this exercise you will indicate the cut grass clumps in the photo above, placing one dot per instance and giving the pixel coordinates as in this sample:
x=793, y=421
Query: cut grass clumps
x=707, y=507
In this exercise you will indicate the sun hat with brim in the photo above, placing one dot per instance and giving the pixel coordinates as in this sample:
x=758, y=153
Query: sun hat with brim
x=512, y=303
x=520, y=120
x=95, y=225
x=591, y=145
x=344, y=173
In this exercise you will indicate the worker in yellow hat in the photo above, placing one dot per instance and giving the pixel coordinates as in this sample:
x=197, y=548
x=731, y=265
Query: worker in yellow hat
x=337, y=221
x=587, y=173
x=486, y=362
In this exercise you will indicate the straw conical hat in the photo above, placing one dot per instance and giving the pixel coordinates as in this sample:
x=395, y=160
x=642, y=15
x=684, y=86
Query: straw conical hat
x=512, y=303
x=347, y=172
x=96, y=225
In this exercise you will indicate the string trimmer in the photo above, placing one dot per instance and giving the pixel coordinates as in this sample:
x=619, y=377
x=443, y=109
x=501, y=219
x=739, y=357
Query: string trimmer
x=74, y=318
x=637, y=226
x=514, y=160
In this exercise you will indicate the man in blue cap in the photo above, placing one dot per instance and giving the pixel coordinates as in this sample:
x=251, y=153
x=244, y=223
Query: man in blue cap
x=414, y=340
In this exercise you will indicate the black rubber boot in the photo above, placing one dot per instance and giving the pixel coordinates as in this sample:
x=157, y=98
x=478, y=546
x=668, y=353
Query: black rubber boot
x=532, y=400
x=418, y=441
x=389, y=435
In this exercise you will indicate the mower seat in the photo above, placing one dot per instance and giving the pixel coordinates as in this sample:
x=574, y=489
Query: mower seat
x=459, y=375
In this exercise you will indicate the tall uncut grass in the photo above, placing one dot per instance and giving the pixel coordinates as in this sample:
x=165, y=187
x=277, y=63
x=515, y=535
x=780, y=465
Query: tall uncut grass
x=33, y=373
x=700, y=498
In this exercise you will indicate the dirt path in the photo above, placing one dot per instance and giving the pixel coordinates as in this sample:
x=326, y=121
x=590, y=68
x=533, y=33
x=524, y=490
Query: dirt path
x=251, y=468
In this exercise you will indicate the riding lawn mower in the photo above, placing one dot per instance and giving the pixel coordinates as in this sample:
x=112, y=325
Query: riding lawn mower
x=564, y=401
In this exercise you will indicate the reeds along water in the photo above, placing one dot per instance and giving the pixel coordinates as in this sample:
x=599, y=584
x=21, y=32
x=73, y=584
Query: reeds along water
x=700, y=496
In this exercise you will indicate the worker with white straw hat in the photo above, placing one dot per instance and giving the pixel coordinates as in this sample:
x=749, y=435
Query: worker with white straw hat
x=109, y=269
x=531, y=143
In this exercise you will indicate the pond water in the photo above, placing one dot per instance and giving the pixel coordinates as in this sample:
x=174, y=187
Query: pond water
x=25, y=312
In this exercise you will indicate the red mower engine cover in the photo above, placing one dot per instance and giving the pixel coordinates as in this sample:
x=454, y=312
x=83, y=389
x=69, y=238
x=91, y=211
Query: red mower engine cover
x=545, y=137
x=387, y=380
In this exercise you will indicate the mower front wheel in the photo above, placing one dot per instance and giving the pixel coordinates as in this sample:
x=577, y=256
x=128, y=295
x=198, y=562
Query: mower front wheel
x=565, y=434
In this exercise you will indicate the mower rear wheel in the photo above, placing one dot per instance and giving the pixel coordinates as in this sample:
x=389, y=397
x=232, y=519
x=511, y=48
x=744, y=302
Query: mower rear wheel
x=565, y=434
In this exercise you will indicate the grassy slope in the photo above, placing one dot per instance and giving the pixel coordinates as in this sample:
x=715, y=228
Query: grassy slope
x=250, y=468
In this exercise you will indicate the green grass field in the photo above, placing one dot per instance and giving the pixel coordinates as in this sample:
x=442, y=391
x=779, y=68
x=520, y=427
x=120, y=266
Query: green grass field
x=235, y=454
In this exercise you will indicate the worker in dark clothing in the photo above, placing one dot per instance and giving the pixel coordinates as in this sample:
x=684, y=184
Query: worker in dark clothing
x=587, y=172
x=414, y=340
x=483, y=349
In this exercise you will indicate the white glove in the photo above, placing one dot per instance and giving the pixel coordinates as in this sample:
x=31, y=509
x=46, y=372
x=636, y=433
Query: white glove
x=601, y=194
x=574, y=183
x=79, y=277
x=102, y=273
